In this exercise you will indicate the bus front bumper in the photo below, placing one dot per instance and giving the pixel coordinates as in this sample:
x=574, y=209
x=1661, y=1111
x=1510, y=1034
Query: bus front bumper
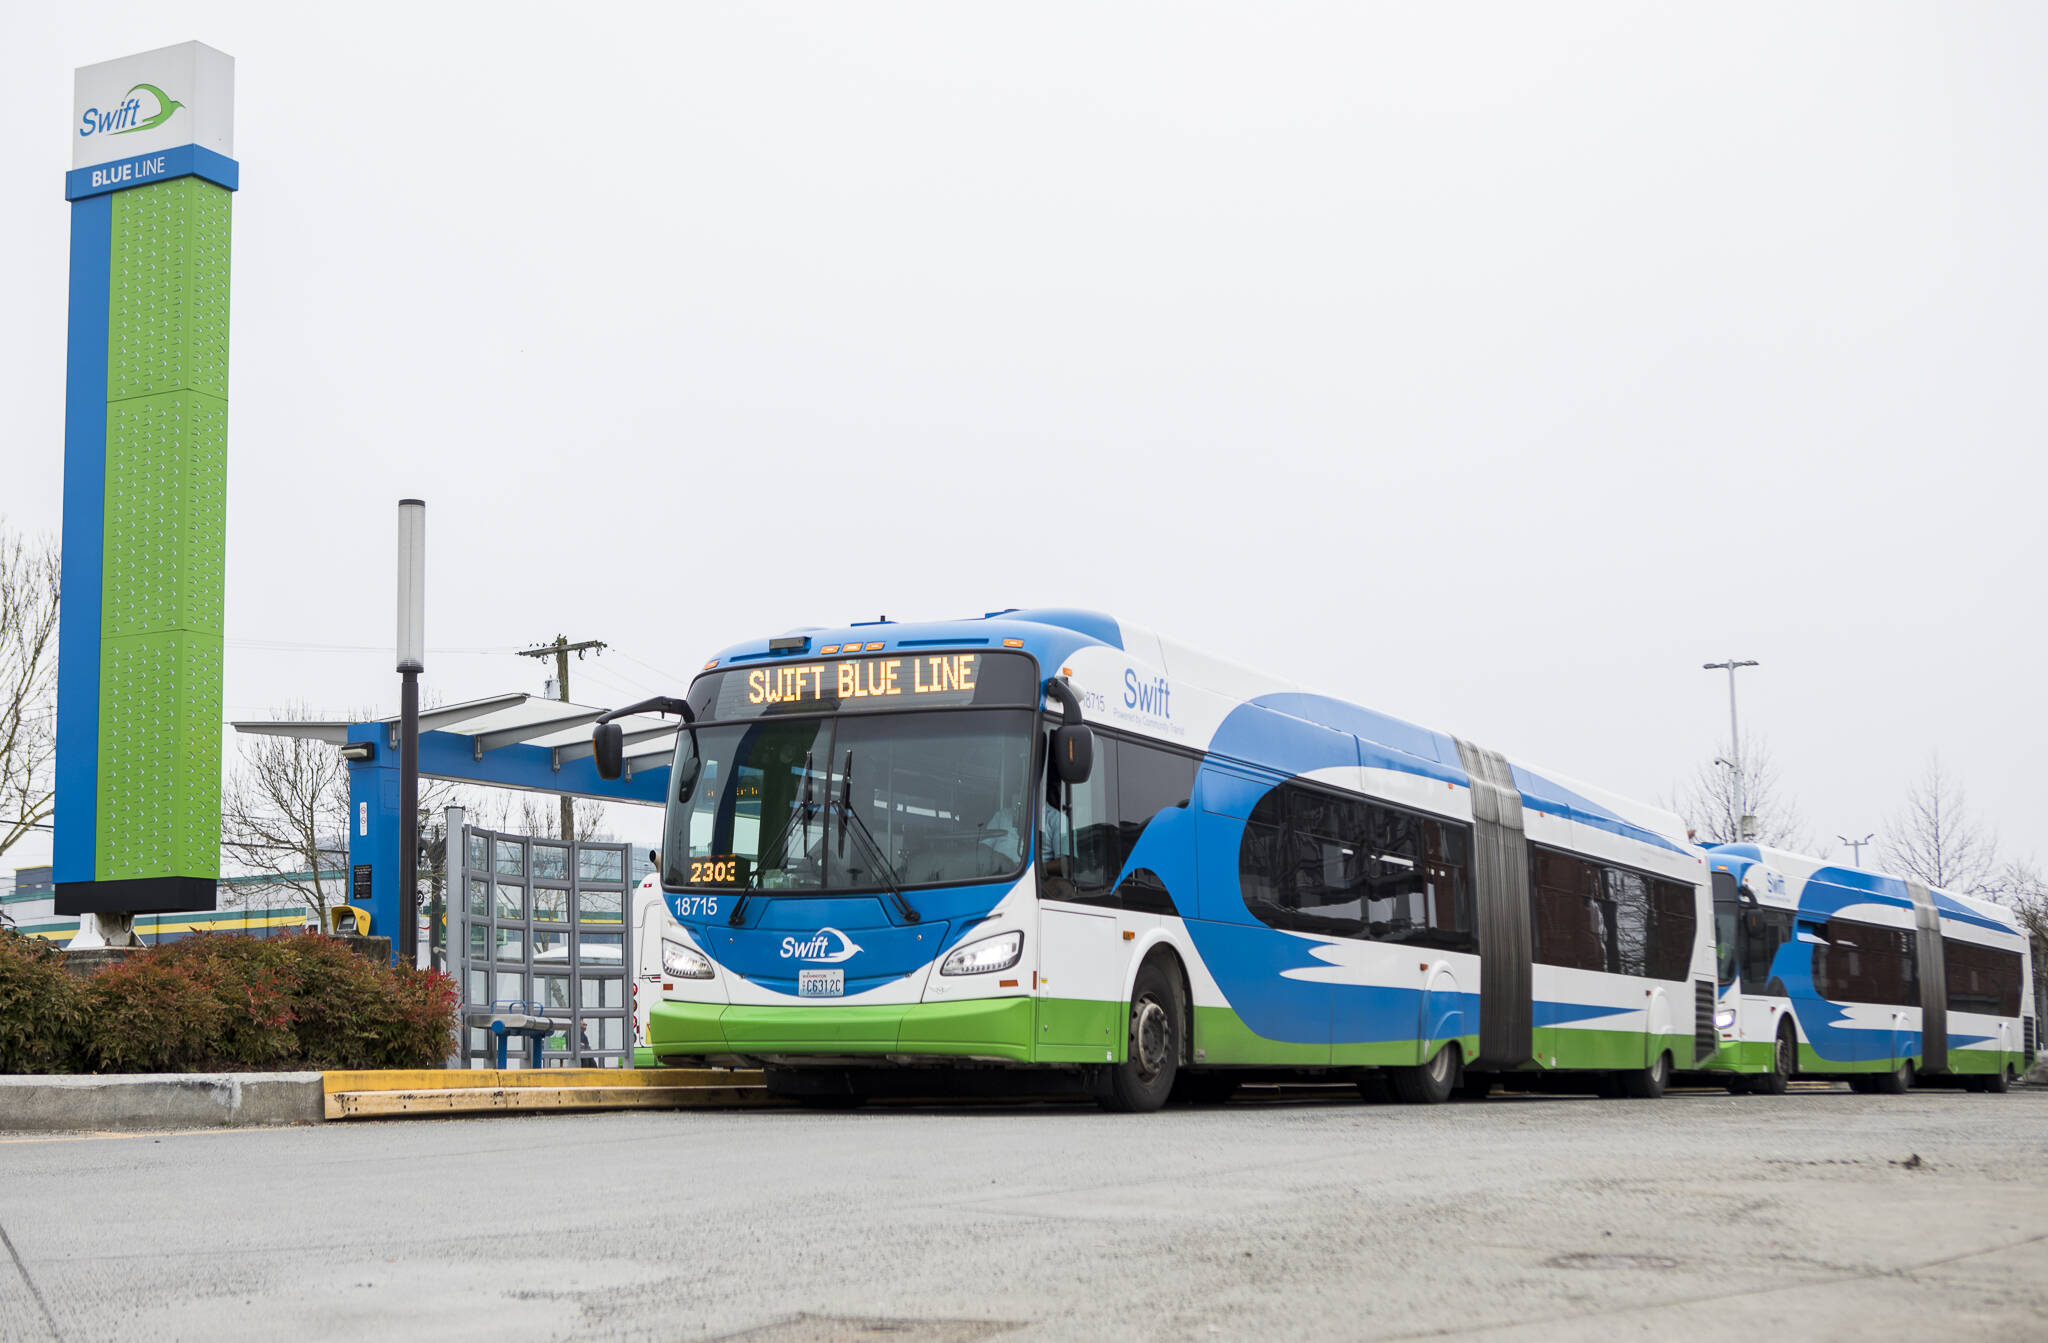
x=982, y=1028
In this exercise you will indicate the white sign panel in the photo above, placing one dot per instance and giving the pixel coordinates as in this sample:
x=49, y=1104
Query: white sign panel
x=182, y=95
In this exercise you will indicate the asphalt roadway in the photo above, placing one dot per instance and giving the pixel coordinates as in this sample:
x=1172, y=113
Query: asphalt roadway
x=1822, y=1215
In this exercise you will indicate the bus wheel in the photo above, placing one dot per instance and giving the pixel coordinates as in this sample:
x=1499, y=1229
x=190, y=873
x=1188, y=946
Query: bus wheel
x=1998, y=1083
x=1141, y=1083
x=1897, y=1082
x=1430, y=1084
x=1647, y=1084
x=1784, y=1062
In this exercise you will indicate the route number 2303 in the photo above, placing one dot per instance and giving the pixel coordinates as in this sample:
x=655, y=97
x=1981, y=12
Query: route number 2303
x=714, y=871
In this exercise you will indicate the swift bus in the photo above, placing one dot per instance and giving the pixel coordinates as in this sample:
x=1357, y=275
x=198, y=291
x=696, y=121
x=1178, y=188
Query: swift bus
x=1827, y=971
x=1044, y=840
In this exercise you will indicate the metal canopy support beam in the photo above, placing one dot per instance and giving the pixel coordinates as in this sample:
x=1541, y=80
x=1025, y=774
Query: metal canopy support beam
x=512, y=736
x=435, y=719
x=332, y=733
x=579, y=750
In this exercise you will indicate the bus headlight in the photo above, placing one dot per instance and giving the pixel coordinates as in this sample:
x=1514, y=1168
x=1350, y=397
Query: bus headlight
x=1725, y=1018
x=989, y=954
x=684, y=962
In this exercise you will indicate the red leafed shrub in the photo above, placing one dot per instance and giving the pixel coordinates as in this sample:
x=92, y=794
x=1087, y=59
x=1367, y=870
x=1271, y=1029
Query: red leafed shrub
x=222, y=1003
x=42, y=1020
x=151, y=1014
x=355, y=1014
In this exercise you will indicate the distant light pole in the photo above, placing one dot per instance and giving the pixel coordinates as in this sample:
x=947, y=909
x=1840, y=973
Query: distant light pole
x=1856, y=845
x=1734, y=741
x=412, y=660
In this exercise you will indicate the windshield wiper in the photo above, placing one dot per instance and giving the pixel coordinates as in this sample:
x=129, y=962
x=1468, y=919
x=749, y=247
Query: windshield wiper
x=873, y=851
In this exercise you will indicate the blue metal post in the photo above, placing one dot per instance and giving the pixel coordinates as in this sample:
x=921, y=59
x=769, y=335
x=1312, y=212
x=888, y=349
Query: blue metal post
x=375, y=831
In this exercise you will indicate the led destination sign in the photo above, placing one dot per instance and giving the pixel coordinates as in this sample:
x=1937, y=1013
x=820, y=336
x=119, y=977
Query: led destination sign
x=867, y=684
x=950, y=674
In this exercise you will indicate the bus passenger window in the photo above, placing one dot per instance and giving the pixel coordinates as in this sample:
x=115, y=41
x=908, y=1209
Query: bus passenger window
x=1674, y=920
x=1570, y=912
x=1629, y=895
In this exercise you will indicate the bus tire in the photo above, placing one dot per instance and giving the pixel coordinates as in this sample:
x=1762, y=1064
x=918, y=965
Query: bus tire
x=1647, y=1084
x=1998, y=1083
x=1784, y=1064
x=1430, y=1084
x=1897, y=1082
x=1143, y=1081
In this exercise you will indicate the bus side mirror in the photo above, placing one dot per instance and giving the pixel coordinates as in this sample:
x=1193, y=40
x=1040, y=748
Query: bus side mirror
x=1753, y=923
x=608, y=747
x=1073, y=753
x=654, y=859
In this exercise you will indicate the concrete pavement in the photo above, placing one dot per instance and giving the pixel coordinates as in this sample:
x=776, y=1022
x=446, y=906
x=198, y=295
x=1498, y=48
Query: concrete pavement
x=1824, y=1215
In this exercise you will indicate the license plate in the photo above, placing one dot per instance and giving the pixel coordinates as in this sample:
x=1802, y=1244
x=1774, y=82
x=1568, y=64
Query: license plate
x=821, y=983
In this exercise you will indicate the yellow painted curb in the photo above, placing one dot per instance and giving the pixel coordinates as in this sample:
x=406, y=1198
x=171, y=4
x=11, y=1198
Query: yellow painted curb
x=501, y=1100
x=460, y=1079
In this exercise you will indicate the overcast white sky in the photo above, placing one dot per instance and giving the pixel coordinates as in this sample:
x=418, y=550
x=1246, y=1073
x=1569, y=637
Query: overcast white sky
x=1492, y=367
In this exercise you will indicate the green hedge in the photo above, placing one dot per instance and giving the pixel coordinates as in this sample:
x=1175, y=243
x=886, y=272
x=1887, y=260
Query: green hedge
x=221, y=1003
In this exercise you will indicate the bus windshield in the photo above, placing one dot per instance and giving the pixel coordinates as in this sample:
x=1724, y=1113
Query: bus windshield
x=1726, y=923
x=851, y=803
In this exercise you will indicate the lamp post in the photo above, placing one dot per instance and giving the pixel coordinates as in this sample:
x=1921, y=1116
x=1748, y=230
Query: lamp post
x=412, y=660
x=1734, y=741
x=1856, y=845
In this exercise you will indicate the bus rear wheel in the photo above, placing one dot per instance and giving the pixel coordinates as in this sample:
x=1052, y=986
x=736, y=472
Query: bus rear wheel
x=1997, y=1084
x=1430, y=1084
x=1897, y=1082
x=1143, y=1081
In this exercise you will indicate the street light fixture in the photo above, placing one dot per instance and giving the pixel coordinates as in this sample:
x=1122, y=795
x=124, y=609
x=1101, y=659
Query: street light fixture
x=1743, y=822
x=412, y=660
x=1856, y=845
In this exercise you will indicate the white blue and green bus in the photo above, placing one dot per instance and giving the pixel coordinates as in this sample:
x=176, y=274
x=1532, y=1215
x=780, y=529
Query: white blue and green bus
x=1046, y=841
x=1829, y=971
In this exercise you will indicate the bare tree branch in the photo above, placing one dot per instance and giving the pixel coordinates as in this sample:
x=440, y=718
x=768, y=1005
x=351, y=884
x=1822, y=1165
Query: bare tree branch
x=29, y=592
x=1936, y=839
x=1707, y=802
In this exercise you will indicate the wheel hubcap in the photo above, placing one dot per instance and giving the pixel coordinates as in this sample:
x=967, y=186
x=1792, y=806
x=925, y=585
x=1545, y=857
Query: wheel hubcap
x=1151, y=1037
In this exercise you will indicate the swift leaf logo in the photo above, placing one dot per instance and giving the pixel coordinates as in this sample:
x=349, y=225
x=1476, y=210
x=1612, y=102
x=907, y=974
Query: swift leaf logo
x=820, y=947
x=127, y=117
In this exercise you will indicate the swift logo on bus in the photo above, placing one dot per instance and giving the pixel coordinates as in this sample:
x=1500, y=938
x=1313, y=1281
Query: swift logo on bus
x=819, y=947
x=1147, y=696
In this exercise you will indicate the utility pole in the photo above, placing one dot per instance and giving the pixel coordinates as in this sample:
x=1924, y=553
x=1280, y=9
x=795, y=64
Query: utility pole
x=1856, y=845
x=559, y=650
x=1734, y=742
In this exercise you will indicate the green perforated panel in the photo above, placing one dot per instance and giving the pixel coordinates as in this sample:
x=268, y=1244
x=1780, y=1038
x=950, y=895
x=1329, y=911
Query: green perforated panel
x=167, y=324
x=159, y=803
x=163, y=573
x=166, y=514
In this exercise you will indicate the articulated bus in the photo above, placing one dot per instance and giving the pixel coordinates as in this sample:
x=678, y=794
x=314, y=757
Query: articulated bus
x=1828, y=971
x=1048, y=843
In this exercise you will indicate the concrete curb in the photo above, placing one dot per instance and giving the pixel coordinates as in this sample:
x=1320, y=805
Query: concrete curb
x=160, y=1101
x=399, y=1093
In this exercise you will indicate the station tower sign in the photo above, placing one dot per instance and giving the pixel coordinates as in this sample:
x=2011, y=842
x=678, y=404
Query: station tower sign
x=145, y=483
